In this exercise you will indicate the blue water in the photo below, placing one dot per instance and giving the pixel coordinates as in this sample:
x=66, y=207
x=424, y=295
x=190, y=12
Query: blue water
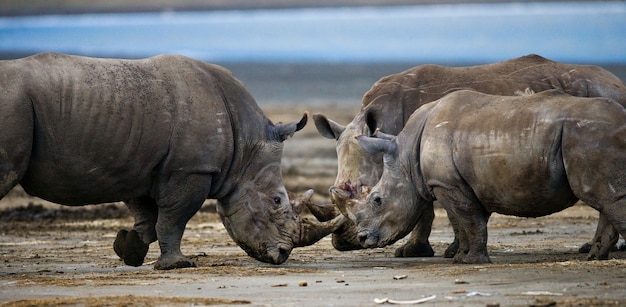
x=590, y=32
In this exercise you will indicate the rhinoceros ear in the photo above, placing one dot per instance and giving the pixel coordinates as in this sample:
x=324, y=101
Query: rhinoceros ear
x=372, y=120
x=327, y=128
x=286, y=130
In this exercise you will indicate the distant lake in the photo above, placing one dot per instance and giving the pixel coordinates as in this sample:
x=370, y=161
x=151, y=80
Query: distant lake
x=587, y=32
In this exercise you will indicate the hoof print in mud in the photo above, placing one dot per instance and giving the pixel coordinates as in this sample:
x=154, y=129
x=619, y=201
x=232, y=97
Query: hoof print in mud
x=129, y=246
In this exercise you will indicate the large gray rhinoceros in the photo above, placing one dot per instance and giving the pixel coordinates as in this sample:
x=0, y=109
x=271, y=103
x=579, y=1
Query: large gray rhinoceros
x=161, y=134
x=391, y=100
x=476, y=154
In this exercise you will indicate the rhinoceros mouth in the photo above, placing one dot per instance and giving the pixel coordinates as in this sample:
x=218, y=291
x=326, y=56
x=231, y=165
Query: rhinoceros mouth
x=277, y=255
x=271, y=255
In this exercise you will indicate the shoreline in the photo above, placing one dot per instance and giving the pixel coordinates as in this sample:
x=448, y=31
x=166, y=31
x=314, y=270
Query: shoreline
x=67, y=7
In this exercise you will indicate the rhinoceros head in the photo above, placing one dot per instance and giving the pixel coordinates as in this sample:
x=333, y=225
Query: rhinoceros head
x=257, y=213
x=357, y=171
x=389, y=210
x=355, y=167
x=258, y=216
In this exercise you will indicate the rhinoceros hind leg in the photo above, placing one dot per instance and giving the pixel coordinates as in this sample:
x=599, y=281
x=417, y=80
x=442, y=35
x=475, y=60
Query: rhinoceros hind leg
x=16, y=139
x=129, y=246
x=455, y=246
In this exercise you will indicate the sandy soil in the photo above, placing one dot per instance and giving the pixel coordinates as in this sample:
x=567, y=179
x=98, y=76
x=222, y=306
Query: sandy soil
x=53, y=255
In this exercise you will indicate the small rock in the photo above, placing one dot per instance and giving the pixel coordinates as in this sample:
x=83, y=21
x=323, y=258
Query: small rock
x=543, y=302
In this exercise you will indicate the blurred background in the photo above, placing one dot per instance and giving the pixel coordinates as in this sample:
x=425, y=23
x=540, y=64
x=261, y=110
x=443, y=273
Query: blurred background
x=320, y=52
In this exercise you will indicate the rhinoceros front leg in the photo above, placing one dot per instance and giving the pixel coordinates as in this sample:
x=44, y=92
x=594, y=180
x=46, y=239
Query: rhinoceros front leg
x=181, y=199
x=132, y=246
x=472, y=225
x=586, y=247
x=418, y=245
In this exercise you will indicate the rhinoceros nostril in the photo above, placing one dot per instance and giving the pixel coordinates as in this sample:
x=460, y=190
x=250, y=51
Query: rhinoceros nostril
x=278, y=255
x=363, y=238
x=283, y=254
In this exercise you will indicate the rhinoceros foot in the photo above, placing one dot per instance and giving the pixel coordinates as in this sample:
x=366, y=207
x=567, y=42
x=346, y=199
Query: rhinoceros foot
x=415, y=249
x=586, y=248
x=129, y=246
x=471, y=258
x=173, y=262
x=452, y=249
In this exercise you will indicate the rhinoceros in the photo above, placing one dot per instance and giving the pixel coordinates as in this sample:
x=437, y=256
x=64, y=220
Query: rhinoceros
x=391, y=100
x=476, y=154
x=161, y=134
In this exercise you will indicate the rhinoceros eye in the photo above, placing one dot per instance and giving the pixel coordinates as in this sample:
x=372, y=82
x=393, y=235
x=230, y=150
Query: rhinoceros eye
x=277, y=200
x=377, y=200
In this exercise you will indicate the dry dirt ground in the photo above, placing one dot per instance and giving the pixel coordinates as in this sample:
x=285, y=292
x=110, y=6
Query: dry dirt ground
x=54, y=255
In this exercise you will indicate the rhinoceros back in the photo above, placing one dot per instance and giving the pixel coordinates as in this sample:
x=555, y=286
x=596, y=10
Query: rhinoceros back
x=104, y=127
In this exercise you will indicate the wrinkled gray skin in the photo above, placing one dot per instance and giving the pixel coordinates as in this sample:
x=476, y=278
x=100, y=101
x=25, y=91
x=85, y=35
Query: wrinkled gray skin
x=390, y=102
x=161, y=134
x=477, y=154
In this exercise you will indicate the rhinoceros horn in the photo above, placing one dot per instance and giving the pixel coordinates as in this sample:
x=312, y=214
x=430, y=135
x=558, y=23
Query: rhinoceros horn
x=311, y=231
x=342, y=200
x=344, y=236
x=322, y=212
